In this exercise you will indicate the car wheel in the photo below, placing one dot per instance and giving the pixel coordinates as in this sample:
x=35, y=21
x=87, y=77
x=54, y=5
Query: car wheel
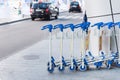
x=32, y=18
x=48, y=17
x=57, y=13
x=80, y=10
x=56, y=17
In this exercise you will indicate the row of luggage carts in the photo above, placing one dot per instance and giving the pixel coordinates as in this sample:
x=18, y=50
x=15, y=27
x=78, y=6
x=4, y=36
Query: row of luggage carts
x=86, y=59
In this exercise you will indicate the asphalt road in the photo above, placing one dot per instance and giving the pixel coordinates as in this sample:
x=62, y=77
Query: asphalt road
x=20, y=35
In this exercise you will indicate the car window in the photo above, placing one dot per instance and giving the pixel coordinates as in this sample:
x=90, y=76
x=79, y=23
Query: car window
x=43, y=6
x=35, y=5
x=40, y=5
x=75, y=3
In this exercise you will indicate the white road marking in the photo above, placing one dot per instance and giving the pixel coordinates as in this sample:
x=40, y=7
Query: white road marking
x=71, y=16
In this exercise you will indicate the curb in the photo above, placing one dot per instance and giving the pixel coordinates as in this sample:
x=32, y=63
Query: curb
x=4, y=23
x=9, y=22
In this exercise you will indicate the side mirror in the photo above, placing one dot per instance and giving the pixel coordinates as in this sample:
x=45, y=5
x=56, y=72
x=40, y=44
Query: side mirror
x=57, y=8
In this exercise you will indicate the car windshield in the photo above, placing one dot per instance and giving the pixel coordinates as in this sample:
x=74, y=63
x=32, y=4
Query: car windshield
x=40, y=5
x=43, y=6
x=75, y=3
x=35, y=5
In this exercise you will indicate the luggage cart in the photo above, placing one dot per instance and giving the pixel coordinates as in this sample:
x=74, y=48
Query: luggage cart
x=62, y=63
x=73, y=62
x=82, y=63
x=102, y=58
x=109, y=55
x=97, y=61
x=117, y=55
x=51, y=62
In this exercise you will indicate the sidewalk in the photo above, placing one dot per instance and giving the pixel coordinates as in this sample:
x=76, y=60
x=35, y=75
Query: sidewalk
x=13, y=19
x=31, y=64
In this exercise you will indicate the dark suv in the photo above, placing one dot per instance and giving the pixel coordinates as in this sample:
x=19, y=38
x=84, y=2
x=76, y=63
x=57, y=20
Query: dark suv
x=74, y=6
x=43, y=10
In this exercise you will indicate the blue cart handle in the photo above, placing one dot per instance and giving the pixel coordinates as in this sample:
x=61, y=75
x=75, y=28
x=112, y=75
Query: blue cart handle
x=60, y=26
x=109, y=24
x=117, y=23
x=85, y=25
x=49, y=27
x=71, y=26
x=99, y=25
x=78, y=25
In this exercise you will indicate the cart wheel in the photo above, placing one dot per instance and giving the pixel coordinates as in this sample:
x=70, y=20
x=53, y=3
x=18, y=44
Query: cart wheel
x=75, y=64
x=109, y=63
x=83, y=68
x=108, y=66
x=72, y=68
x=61, y=69
x=50, y=70
x=98, y=67
x=117, y=64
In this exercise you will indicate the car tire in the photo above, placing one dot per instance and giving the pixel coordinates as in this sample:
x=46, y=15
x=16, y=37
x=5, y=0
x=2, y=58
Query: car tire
x=32, y=18
x=80, y=11
x=57, y=13
x=48, y=17
x=56, y=17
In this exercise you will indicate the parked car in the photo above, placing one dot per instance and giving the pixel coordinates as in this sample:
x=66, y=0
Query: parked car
x=43, y=10
x=75, y=6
